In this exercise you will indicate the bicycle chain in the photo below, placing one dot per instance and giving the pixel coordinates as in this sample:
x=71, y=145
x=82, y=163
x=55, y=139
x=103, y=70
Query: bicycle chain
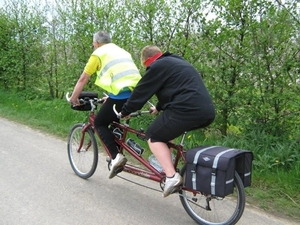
x=150, y=188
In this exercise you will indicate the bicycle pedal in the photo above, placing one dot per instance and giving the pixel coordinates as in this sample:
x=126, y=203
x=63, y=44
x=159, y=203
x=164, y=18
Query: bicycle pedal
x=108, y=159
x=175, y=190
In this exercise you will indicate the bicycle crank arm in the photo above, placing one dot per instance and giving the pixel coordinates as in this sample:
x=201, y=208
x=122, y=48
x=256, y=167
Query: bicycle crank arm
x=192, y=200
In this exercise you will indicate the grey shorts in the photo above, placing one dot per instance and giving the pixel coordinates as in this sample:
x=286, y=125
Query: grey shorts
x=168, y=125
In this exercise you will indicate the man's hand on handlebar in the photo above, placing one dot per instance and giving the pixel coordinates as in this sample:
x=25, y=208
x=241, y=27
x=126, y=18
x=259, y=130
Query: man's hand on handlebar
x=153, y=110
x=74, y=102
x=127, y=117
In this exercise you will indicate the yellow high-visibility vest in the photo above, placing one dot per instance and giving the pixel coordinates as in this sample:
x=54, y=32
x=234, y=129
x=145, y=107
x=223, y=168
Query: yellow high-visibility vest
x=118, y=71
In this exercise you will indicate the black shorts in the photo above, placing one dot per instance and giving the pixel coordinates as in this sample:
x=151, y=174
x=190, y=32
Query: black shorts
x=168, y=125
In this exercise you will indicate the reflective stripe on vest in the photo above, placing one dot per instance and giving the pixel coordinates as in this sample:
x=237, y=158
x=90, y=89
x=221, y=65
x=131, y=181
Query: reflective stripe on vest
x=112, y=63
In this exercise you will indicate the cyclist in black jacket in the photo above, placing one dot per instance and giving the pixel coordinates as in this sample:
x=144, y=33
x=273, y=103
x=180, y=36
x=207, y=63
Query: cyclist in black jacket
x=183, y=99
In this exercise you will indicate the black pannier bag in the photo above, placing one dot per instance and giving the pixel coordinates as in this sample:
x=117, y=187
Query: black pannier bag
x=86, y=95
x=211, y=169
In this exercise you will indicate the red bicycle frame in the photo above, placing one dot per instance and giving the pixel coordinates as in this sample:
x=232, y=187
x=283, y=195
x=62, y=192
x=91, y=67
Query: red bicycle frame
x=151, y=173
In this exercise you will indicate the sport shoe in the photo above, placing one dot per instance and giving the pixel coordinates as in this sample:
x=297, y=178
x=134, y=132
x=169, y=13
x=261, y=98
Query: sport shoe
x=171, y=184
x=115, y=164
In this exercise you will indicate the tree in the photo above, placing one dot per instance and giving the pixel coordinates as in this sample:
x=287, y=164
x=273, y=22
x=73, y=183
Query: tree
x=247, y=52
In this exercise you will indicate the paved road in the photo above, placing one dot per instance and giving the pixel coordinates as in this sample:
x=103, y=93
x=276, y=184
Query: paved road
x=37, y=186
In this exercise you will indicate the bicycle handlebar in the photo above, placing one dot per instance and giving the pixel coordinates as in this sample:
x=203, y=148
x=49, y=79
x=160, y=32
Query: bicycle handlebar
x=83, y=101
x=67, y=97
x=134, y=114
x=96, y=101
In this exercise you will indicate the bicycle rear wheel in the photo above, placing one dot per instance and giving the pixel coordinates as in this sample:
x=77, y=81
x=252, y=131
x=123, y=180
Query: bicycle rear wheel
x=208, y=209
x=84, y=161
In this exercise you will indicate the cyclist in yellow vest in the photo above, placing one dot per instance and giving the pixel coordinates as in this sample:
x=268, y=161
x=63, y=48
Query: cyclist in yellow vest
x=116, y=74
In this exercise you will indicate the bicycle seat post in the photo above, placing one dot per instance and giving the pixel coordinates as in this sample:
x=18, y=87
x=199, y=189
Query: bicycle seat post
x=183, y=138
x=126, y=122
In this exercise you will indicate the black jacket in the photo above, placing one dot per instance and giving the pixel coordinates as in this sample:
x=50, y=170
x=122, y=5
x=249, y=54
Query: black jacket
x=177, y=85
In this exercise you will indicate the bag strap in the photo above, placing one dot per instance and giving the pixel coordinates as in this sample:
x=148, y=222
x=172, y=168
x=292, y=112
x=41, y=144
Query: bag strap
x=214, y=170
x=194, y=168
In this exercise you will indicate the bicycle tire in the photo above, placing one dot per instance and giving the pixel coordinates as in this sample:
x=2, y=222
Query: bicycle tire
x=84, y=162
x=224, y=211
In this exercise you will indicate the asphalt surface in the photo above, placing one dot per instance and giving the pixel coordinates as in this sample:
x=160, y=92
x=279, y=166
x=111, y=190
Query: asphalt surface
x=38, y=186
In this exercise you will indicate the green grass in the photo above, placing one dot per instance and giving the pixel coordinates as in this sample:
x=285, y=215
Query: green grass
x=276, y=167
x=53, y=116
x=276, y=192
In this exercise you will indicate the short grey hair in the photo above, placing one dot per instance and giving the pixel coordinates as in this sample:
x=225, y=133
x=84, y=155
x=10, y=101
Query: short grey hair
x=102, y=37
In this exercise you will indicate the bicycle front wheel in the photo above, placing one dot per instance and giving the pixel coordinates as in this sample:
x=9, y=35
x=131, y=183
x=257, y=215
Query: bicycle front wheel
x=84, y=160
x=208, y=209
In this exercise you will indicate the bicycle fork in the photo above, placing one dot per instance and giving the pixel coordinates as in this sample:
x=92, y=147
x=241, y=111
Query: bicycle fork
x=84, y=128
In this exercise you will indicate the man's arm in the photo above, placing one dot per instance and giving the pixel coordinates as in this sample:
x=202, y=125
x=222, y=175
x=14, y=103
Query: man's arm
x=145, y=89
x=82, y=81
x=92, y=65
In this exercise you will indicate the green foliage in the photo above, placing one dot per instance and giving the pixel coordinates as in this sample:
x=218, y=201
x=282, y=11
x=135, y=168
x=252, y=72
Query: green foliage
x=246, y=52
x=281, y=157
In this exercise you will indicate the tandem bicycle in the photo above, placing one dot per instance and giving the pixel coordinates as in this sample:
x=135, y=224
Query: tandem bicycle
x=83, y=156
